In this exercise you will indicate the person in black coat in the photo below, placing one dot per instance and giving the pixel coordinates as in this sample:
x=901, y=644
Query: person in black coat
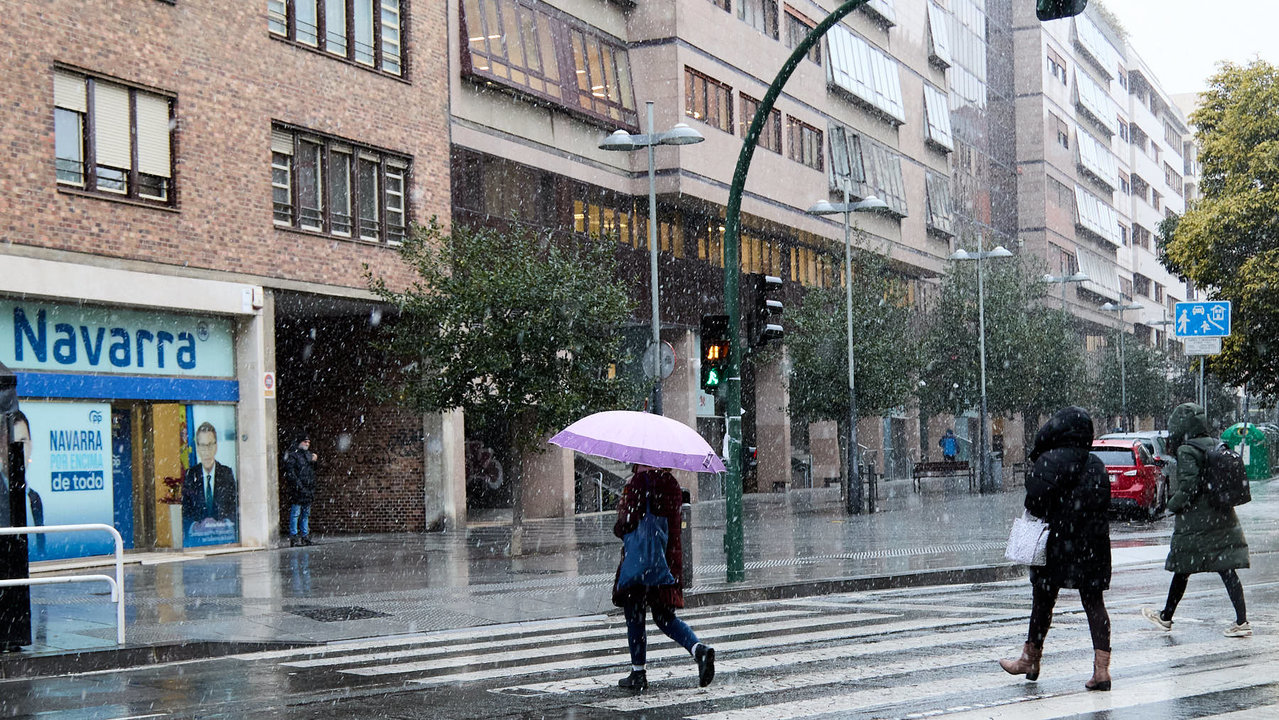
x=299, y=479
x=1069, y=488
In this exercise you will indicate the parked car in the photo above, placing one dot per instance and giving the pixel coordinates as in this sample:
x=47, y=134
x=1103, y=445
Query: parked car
x=1136, y=480
x=1156, y=442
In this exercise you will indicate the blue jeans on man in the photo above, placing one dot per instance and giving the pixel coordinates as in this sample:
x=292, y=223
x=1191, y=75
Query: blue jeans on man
x=300, y=515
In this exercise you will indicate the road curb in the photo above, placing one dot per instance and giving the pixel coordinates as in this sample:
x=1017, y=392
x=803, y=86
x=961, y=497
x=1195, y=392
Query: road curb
x=17, y=665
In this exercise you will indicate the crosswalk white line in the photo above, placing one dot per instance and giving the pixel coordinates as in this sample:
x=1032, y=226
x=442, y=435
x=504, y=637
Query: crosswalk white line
x=617, y=658
x=566, y=648
x=728, y=665
x=1034, y=709
x=1264, y=712
x=505, y=640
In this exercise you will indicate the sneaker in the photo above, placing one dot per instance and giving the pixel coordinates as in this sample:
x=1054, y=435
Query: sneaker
x=1242, y=629
x=705, y=657
x=1153, y=616
x=637, y=680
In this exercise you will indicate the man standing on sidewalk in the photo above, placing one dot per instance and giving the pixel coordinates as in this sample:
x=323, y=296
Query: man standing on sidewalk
x=299, y=478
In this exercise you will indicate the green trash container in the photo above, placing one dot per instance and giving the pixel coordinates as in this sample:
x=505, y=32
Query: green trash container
x=1251, y=443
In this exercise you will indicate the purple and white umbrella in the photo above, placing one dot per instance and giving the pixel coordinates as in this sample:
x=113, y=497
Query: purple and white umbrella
x=642, y=438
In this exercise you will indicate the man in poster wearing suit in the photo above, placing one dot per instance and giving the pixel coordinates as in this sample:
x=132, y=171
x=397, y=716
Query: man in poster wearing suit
x=208, y=490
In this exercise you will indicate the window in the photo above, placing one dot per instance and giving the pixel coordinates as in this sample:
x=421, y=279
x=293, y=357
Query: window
x=1057, y=66
x=760, y=254
x=708, y=100
x=1173, y=179
x=112, y=139
x=865, y=167
x=938, y=190
x=335, y=187
x=1125, y=187
x=759, y=14
x=524, y=46
x=724, y=5
x=809, y=267
x=1095, y=216
x=1095, y=102
x=1140, y=237
x=938, y=37
x=1137, y=137
x=770, y=136
x=797, y=28
x=864, y=71
x=882, y=11
x=1122, y=78
x=1140, y=188
x=1172, y=137
x=1095, y=158
x=1159, y=293
x=1063, y=130
x=1141, y=285
x=1123, y=130
x=365, y=32
x=1156, y=199
x=938, y=114
x=804, y=143
x=1125, y=235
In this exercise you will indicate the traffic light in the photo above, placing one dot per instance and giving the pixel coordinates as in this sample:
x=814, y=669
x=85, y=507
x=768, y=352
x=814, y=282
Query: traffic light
x=714, y=350
x=766, y=322
x=1058, y=9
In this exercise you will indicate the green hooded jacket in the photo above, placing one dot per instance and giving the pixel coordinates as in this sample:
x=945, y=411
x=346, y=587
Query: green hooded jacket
x=1204, y=538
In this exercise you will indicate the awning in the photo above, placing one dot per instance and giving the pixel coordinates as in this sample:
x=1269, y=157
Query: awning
x=1103, y=277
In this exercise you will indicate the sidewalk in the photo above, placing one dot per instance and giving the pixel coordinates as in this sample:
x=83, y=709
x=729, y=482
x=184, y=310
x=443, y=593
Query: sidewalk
x=183, y=605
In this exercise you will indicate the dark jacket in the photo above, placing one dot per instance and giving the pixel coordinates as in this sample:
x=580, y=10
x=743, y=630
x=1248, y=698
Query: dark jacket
x=662, y=490
x=1204, y=538
x=299, y=476
x=225, y=496
x=1069, y=487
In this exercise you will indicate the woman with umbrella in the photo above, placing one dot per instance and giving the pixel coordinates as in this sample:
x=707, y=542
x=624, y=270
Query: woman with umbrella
x=651, y=489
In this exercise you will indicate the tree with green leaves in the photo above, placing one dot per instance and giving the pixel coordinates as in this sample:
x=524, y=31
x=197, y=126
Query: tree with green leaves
x=885, y=350
x=1227, y=242
x=1145, y=381
x=517, y=328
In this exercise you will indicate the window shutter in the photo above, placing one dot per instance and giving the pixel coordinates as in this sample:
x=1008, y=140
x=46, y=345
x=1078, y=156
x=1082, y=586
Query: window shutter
x=153, y=135
x=111, y=122
x=68, y=92
x=281, y=142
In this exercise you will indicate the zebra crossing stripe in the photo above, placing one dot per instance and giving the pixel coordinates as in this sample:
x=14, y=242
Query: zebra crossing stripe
x=621, y=656
x=1034, y=708
x=725, y=666
x=1263, y=712
x=501, y=641
x=574, y=648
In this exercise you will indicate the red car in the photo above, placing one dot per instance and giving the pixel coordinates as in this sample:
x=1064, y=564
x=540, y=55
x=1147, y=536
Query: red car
x=1136, y=478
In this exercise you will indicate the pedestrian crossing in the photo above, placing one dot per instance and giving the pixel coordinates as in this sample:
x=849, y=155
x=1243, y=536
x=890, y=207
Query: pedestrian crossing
x=898, y=654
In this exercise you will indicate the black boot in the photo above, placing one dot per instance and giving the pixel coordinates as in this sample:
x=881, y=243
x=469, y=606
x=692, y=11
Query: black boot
x=306, y=540
x=705, y=657
x=637, y=680
x=293, y=541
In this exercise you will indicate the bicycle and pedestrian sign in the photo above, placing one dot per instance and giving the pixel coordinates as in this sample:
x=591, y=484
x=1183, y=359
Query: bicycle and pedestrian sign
x=1201, y=325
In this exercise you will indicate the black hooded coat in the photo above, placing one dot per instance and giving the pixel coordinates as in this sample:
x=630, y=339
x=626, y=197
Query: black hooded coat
x=1069, y=487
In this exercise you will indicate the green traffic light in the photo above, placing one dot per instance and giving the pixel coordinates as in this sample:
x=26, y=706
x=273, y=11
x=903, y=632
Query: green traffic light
x=712, y=378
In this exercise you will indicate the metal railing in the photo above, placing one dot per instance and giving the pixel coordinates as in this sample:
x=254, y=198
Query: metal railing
x=116, y=583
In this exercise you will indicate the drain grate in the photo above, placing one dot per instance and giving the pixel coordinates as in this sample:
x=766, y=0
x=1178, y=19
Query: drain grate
x=333, y=614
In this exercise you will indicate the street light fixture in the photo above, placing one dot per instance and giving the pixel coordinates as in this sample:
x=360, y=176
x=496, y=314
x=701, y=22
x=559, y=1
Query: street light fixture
x=983, y=472
x=1062, y=280
x=853, y=497
x=1123, y=375
x=621, y=140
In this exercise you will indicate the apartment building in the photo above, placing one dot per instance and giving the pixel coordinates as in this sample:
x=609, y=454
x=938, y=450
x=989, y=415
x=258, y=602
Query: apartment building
x=1102, y=160
x=190, y=196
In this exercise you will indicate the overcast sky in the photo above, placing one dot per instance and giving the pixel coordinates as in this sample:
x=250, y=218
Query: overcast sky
x=1183, y=40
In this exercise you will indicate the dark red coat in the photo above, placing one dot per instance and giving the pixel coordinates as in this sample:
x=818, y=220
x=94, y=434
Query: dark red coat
x=663, y=492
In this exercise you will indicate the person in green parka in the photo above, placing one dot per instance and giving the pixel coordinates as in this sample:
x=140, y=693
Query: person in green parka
x=1204, y=538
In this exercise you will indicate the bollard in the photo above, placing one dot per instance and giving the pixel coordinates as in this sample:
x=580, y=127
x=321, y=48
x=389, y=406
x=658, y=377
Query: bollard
x=686, y=541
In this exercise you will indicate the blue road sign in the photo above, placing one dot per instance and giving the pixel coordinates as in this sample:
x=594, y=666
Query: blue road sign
x=1201, y=319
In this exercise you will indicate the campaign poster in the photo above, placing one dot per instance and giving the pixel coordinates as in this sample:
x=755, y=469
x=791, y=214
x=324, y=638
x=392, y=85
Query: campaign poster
x=210, y=489
x=67, y=447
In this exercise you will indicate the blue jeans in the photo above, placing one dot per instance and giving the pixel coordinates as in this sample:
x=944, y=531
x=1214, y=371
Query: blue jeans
x=304, y=513
x=637, y=638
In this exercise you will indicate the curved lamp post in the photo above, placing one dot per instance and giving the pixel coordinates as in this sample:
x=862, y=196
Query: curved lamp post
x=983, y=472
x=1062, y=280
x=853, y=497
x=621, y=140
x=1123, y=375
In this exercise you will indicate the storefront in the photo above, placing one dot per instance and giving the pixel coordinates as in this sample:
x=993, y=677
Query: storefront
x=133, y=416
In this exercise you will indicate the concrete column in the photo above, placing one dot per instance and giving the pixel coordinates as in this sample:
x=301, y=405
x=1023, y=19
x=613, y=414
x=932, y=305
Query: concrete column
x=549, y=487
x=679, y=392
x=444, y=481
x=255, y=449
x=823, y=445
x=772, y=425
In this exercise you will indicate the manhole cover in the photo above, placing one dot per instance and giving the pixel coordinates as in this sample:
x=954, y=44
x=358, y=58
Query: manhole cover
x=333, y=614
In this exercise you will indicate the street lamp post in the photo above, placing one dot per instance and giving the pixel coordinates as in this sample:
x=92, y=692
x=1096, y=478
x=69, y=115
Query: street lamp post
x=853, y=497
x=1062, y=280
x=679, y=134
x=983, y=472
x=1123, y=374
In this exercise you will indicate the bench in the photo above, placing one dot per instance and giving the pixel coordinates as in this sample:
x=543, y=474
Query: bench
x=943, y=469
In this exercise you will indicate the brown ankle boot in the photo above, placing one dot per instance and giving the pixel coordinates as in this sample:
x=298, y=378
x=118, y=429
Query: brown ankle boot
x=1027, y=664
x=1100, y=671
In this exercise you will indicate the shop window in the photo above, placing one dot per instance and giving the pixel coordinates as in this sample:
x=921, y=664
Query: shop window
x=770, y=137
x=533, y=49
x=804, y=143
x=330, y=186
x=760, y=254
x=363, y=32
x=809, y=267
x=112, y=139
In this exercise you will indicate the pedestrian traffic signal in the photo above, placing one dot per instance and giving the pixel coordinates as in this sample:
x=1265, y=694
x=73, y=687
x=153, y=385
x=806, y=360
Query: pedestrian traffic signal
x=714, y=350
x=1058, y=9
x=766, y=323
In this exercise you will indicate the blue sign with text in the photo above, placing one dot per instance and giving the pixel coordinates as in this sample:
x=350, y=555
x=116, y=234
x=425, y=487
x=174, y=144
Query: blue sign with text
x=1201, y=319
